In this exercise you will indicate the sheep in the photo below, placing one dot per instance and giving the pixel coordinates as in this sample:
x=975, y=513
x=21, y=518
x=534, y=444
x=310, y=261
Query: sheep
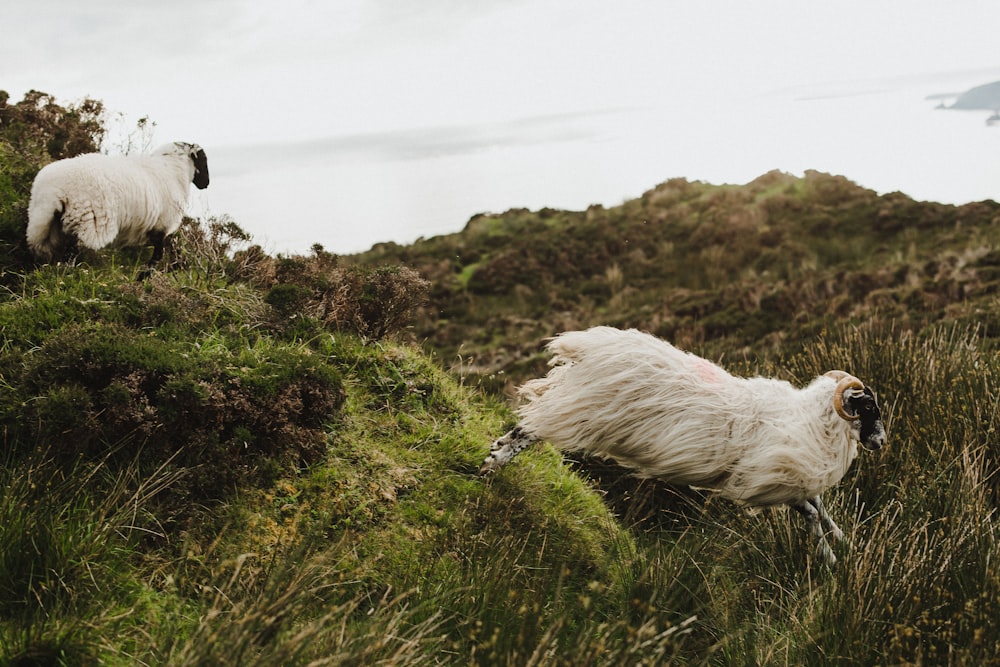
x=668, y=414
x=97, y=200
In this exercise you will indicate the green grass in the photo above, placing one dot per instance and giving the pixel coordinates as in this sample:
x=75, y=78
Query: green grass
x=389, y=550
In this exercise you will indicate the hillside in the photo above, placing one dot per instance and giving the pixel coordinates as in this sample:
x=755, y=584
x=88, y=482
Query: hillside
x=726, y=270
x=196, y=474
x=187, y=475
x=247, y=460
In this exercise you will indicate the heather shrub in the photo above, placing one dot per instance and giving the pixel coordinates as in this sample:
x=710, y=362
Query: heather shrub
x=16, y=174
x=228, y=410
x=382, y=299
x=208, y=246
x=315, y=293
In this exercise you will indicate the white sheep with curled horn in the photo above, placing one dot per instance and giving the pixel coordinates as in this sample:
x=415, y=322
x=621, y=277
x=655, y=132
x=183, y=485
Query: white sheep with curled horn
x=97, y=200
x=670, y=415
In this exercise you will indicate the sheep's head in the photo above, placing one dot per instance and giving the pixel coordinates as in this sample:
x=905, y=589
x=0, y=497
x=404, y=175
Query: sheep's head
x=193, y=152
x=197, y=155
x=856, y=403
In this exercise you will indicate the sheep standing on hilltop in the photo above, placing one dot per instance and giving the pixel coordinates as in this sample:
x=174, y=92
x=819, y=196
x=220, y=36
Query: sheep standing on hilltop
x=97, y=200
x=670, y=415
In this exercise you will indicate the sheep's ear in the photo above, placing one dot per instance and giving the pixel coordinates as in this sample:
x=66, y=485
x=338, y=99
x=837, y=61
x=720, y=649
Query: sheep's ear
x=200, y=166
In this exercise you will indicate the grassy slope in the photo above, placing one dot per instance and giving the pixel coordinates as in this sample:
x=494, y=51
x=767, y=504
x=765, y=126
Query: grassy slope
x=382, y=545
x=390, y=527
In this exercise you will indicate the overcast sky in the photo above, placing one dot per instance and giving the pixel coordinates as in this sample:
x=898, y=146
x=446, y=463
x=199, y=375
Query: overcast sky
x=349, y=122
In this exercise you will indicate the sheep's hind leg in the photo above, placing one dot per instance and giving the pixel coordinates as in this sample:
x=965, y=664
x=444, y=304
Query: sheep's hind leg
x=156, y=238
x=807, y=509
x=506, y=447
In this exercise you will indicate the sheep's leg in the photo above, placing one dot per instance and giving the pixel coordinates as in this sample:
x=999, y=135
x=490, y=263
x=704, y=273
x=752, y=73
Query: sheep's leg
x=506, y=448
x=807, y=509
x=828, y=525
x=63, y=246
x=157, y=238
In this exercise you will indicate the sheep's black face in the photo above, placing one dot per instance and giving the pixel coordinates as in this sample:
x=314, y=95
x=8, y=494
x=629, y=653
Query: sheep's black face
x=200, y=166
x=871, y=430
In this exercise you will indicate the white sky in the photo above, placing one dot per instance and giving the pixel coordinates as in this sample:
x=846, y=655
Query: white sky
x=349, y=122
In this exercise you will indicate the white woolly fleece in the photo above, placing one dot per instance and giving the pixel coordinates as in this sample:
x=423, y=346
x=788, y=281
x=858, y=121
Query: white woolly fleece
x=109, y=200
x=668, y=414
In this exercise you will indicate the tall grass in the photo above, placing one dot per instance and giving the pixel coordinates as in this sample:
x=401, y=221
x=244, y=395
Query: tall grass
x=919, y=582
x=922, y=584
x=456, y=571
x=68, y=530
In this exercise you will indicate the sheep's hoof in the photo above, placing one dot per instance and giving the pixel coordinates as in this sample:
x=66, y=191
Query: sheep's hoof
x=825, y=554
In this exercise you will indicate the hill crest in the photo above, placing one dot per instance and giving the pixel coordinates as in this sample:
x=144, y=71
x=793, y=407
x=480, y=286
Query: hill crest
x=723, y=269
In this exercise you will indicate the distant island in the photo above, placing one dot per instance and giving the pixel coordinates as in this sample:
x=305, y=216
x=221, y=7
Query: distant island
x=984, y=97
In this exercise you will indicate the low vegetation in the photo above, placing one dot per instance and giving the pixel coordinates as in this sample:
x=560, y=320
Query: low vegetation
x=745, y=270
x=248, y=460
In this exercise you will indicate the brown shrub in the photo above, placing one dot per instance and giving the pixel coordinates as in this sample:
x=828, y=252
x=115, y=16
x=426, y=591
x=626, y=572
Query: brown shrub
x=371, y=302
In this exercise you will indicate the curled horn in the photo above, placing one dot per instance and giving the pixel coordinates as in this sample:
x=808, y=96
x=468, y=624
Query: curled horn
x=845, y=381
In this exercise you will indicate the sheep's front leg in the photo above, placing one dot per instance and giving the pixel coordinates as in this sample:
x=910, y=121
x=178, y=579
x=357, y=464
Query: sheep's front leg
x=506, y=447
x=807, y=509
x=828, y=525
